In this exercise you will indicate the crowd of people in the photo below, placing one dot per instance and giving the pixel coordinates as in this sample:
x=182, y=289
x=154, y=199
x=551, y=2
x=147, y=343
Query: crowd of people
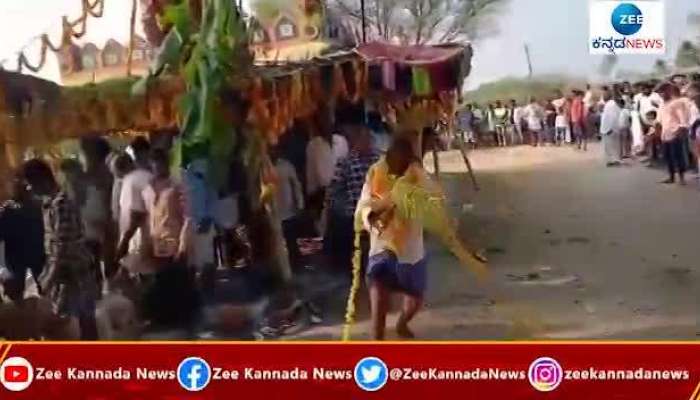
x=557, y=120
x=650, y=120
x=70, y=230
x=73, y=228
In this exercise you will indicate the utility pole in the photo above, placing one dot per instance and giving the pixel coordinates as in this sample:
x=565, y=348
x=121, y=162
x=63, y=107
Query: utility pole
x=529, y=61
x=364, y=21
x=132, y=38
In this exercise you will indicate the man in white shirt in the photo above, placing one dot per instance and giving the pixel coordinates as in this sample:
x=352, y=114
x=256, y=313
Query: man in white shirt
x=624, y=131
x=534, y=114
x=322, y=156
x=501, y=116
x=647, y=103
x=290, y=202
x=132, y=209
x=588, y=98
x=561, y=122
x=609, y=125
x=517, y=116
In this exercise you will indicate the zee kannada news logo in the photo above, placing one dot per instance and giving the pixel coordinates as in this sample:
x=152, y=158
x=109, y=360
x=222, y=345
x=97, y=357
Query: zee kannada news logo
x=634, y=27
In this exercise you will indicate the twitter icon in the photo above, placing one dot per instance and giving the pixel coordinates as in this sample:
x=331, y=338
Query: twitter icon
x=371, y=374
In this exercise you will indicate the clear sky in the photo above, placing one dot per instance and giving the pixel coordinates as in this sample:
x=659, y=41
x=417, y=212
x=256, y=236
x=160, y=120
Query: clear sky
x=21, y=20
x=557, y=33
x=555, y=30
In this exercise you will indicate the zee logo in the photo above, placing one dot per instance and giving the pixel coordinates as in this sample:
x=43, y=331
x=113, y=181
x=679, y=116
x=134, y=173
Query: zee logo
x=627, y=19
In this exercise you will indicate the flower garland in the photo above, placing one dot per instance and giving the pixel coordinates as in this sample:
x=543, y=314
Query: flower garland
x=75, y=29
x=350, y=310
x=418, y=203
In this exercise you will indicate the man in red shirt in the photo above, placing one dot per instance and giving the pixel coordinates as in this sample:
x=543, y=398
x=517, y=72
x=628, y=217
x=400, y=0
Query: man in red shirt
x=674, y=118
x=578, y=115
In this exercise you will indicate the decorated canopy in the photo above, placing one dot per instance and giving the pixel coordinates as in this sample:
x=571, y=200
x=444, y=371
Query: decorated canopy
x=38, y=114
x=418, y=71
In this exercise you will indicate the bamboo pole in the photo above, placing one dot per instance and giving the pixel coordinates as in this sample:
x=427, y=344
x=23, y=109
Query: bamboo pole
x=132, y=37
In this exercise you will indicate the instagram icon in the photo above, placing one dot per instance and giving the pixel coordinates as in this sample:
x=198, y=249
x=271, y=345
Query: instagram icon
x=545, y=374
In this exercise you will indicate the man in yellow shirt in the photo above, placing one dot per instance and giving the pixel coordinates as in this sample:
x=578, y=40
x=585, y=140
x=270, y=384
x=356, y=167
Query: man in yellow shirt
x=397, y=260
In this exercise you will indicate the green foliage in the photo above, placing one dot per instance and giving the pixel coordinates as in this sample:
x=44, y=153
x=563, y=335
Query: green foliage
x=607, y=66
x=110, y=89
x=521, y=89
x=212, y=57
x=267, y=10
x=424, y=21
x=178, y=15
x=688, y=55
x=661, y=68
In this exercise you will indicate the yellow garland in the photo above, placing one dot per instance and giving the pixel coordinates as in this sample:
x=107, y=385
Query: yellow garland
x=350, y=310
x=413, y=202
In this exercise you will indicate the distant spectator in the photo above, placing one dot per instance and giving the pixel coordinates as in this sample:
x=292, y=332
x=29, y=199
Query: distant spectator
x=534, y=114
x=674, y=118
x=609, y=125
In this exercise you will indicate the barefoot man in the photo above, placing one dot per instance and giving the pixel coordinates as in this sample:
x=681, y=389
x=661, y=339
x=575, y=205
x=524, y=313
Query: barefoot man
x=397, y=261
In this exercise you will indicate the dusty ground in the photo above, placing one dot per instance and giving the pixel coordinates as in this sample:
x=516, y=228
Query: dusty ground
x=577, y=250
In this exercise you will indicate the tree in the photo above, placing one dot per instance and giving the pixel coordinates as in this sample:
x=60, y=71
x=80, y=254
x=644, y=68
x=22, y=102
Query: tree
x=421, y=21
x=694, y=22
x=661, y=68
x=688, y=55
x=205, y=44
x=607, y=66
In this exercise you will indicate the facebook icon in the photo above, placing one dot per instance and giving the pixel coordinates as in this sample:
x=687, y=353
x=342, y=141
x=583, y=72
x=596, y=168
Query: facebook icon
x=194, y=374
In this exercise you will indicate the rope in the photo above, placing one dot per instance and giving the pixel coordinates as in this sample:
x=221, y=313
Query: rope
x=94, y=9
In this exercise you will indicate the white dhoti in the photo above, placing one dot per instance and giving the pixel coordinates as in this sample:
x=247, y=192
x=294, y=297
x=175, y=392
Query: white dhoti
x=611, y=144
x=637, y=133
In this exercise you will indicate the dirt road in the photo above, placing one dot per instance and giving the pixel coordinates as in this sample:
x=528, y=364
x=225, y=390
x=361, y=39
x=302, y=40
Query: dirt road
x=577, y=251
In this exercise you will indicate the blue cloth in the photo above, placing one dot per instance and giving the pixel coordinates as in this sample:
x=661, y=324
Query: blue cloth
x=346, y=187
x=380, y=141
x=385, y=269
x=201, y=198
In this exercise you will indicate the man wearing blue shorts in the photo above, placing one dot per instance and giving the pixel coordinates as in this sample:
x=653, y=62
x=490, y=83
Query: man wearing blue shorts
x=397, y=260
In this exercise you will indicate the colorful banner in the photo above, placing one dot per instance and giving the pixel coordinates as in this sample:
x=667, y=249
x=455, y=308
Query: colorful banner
x=213, y=370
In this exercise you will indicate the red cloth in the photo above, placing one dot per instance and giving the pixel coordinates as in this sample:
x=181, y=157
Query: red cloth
x=412, y=55
x=577, y=110
x=444, y=76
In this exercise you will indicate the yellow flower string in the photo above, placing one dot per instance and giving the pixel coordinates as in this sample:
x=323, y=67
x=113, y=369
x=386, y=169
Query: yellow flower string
x=417, y=203
x=350, y=310
x=429, y=207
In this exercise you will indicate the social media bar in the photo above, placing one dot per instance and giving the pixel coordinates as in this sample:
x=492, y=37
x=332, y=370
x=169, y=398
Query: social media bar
x=216, y=370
